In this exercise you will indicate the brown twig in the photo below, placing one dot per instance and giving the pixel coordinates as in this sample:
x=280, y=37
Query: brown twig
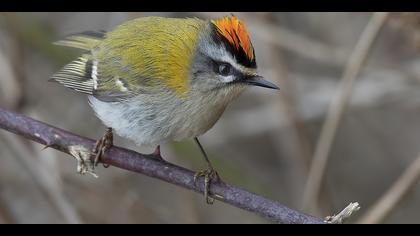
x=337, y=108
x=381, y=209
x=151, y=166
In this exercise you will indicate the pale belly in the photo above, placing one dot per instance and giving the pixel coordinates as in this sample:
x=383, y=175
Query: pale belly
x=148, y=123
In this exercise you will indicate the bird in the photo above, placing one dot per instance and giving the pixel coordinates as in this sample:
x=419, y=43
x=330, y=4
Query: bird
x=157, y=79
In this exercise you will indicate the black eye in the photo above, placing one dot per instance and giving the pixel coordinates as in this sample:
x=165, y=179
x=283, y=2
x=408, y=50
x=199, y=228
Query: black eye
x=225, y=69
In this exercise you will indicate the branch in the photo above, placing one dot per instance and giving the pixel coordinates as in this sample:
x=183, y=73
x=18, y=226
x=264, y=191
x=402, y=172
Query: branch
x=337, y=108
x=151, y=166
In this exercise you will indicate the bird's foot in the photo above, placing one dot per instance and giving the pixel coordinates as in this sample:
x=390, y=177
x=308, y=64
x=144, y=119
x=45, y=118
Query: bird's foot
x=210, y=175
x=103, y=145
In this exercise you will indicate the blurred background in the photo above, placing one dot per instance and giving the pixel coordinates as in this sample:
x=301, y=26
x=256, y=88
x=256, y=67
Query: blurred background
x=264, y=142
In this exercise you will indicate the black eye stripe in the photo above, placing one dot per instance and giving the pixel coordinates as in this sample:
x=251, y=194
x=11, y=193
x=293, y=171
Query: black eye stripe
x=233, y=71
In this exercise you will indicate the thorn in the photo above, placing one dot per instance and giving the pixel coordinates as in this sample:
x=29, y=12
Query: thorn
x=46, y=146
x=157, y=153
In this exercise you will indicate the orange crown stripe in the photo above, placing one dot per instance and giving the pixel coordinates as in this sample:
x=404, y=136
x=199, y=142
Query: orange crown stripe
x=234, y=31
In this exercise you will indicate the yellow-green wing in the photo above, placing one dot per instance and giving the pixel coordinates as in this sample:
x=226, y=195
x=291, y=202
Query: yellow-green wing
x=147, y=55
x=144, y=55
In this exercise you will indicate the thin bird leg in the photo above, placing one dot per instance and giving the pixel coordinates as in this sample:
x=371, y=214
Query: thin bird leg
x=210, y=175
x=103, y=145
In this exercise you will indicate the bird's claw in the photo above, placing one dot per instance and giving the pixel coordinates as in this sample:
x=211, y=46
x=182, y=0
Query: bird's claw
x=210, y=175
x=101, y=146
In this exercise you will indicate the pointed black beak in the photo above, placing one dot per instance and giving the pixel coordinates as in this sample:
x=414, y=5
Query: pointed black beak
x=257, y=80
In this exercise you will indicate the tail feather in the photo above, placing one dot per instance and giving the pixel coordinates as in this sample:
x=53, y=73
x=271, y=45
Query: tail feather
x=85, y=40
x=77, y=75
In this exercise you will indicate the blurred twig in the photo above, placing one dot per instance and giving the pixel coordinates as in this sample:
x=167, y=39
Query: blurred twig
x=43, y=179
x=302, y=146
x=39, y=172
x=344, y=214
x=409, y=24
x=287, y=102
x=337, y=108
x=381, y=209
x=36, y=34
x=292, y=41
x=5, y=215
x=151, y=166
x=16, y=60
x=299, y=44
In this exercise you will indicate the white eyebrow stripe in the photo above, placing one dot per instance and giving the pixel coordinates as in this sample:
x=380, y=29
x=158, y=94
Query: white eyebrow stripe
x=238, y=66
x=219, y=53
x=228, y=79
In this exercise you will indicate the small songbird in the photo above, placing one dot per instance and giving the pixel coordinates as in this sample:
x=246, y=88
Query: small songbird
x=155, y=79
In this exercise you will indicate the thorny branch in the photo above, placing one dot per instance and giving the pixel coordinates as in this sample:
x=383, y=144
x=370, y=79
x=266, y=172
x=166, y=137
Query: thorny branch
x=151, y=166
